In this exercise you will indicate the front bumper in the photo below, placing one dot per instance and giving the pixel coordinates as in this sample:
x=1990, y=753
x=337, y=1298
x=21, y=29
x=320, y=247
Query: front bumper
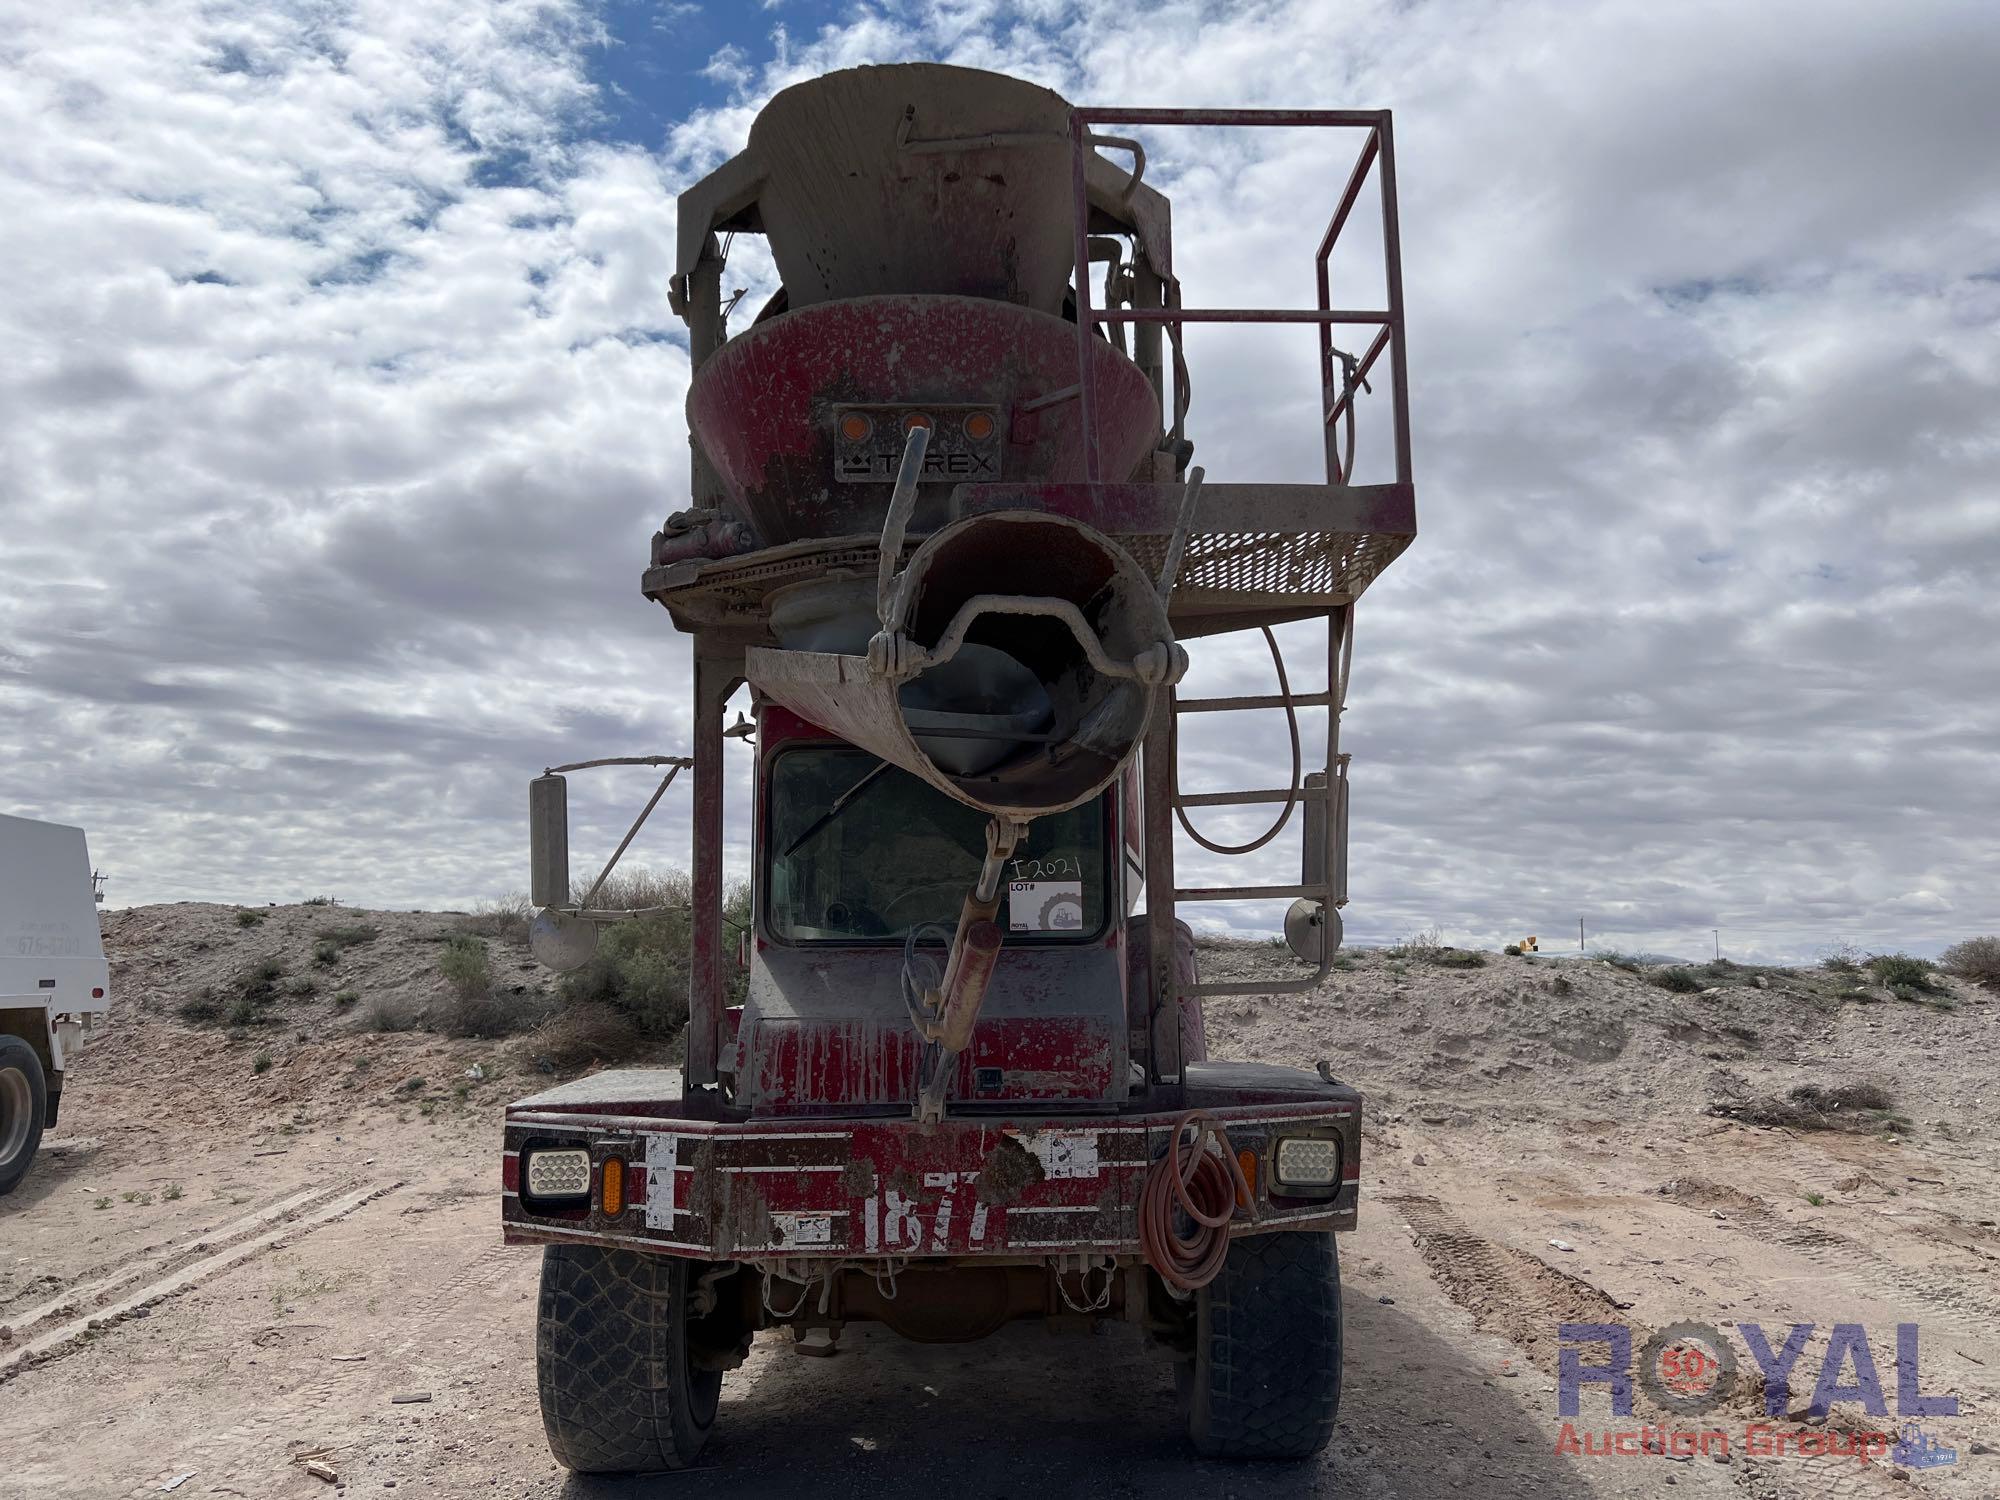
x=985, y=1187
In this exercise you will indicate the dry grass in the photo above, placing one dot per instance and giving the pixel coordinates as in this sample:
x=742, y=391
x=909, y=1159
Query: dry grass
x=505, y=920
x=1975, y=959
x=586, y=1035
x=393, y=1012
x=1812, y=1106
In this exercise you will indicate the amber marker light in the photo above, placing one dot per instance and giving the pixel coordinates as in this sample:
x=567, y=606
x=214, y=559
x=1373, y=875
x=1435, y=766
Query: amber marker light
x=979, y=426
x=856, y=426
x=611, y=1189
x=1247, y=1160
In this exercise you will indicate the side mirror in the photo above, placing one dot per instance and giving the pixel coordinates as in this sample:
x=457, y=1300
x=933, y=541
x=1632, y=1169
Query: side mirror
x=548, y=841
x=1312, y=930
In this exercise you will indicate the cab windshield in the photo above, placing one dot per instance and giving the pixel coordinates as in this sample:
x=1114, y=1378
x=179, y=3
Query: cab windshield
x=897, y=853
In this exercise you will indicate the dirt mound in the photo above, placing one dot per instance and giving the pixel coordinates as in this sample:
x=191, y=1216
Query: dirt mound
x=224, y=1013
x=1585, y=1038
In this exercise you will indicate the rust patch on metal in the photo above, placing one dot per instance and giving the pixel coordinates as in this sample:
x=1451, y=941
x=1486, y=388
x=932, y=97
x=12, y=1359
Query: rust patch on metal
x=732, y=1204
x=857, y=1178
x=1010, y=1170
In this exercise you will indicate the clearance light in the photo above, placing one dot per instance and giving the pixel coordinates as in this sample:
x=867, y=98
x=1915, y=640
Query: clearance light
x=611, y=1185
x=1247, y=1160
x=556, y=1175
x=915, y=420
x=856, y=426
x=1306, y=1161
x=979, y=426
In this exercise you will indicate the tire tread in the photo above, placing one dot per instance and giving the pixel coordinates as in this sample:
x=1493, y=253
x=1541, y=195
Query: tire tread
x=604, y=1358
x=1266, y=1381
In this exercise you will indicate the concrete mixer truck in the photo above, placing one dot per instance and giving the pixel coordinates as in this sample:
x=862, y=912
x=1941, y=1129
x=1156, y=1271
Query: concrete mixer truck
x=945, y=528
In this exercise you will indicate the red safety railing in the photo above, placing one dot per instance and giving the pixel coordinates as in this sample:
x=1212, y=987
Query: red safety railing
x=1378, y=153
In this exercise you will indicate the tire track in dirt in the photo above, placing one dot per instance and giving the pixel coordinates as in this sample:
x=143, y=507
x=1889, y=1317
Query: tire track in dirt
x=1507, y=1291
x=1967, y=1310
x=150, y=1260
x=1523, y=1299
x=492, y=1265
x=251, y=1457
x=65, y=1335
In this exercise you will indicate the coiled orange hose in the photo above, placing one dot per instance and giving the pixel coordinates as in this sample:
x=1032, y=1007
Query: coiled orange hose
x=1207, y=1188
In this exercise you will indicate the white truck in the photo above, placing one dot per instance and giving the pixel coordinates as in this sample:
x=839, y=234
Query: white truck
x=55, y=986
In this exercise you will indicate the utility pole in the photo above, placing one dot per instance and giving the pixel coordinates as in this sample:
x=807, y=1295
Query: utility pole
x=1718, y=944
x=1579, y=934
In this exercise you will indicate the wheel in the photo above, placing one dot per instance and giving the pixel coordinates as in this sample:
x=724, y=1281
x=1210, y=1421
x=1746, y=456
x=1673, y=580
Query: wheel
x=24, y=1103
x=1265, y=1378
x=621, y=1391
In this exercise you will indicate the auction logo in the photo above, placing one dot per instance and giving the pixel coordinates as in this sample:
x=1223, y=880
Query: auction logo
x=1690, y=1369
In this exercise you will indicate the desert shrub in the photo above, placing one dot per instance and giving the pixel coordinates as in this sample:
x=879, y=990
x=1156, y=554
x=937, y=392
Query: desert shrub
x=1812, y=1106
x=504, y=920
x=1512, y=950
x=473, y=1009
x=320, y=901
x=1680, y=981
x=1934, y=997
x=1976, y=959
x=1422, y=945
x=392, y=1013
x=641, y=965
x=486, y=1013
x=1841, y=1096
x=326, y=953
x=206, y=1006
x=585, y=1034
x=349, y=934
x=245, y=917
x=1617, y=960
x=1458, y=958
x=345, y=998
x=246, y=1000
x=465, y=965
x=261, y=1063
x=304, y=985
x=1895, y=969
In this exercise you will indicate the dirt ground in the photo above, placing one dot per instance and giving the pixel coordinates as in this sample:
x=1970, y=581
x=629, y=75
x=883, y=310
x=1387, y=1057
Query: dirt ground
x=219, y=1273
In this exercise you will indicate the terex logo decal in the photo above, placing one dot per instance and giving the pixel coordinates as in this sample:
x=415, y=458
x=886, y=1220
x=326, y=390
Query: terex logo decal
x=884, y=463
x=868, y=442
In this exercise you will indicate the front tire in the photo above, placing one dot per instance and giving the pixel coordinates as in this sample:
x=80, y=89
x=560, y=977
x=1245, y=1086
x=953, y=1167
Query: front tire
x=24, y=1104
x=620, y=1390
x=1265, y=1378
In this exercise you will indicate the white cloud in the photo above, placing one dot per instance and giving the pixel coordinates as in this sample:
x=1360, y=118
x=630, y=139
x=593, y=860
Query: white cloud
x=343, y=396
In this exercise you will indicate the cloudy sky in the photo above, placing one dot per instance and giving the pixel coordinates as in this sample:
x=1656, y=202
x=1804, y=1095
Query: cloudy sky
x=342, y=395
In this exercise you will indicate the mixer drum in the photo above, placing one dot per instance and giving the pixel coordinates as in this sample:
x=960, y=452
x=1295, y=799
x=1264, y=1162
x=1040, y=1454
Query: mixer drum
x=765, y=406
x=917, y=177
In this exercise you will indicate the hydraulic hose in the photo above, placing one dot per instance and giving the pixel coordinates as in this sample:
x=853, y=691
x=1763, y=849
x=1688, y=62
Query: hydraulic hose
x=1203, y=1185
x=1291, y=797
